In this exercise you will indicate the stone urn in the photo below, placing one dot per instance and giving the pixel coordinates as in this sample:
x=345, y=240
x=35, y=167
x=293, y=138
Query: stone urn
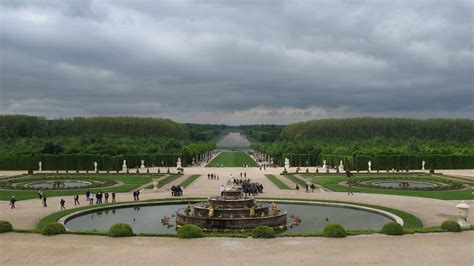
x=463, y=210
x=155, y=184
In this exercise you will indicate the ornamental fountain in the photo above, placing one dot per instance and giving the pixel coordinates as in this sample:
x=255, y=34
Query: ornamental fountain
x=232, y=211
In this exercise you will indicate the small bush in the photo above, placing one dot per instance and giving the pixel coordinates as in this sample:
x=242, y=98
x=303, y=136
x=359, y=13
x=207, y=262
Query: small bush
x=393, y=229
x=53, y=229
x=120, y=230
x=189, y=231
x=263, y=232
x=334, y=230
x=451, y=226
x=5, y=227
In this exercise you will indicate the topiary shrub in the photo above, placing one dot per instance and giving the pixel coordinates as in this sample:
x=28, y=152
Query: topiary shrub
x=334, y=230
x=120, y=230
x=189, y=231
x=393, y=229
x=5, y=227
x=53, y=229
x=263, y=232
x=451, y=226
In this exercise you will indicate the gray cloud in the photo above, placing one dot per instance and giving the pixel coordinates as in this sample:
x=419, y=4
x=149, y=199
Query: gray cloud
x=237, y=61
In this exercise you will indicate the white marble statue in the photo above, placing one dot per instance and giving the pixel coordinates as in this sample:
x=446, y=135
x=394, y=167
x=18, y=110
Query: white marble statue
x=369, y=164
x=178, y=163
x=423, y=165
x=40, y=166
x=124, y=166
x=95, y=166
x=142, y=166
x=324, y=164
x=287, y=163
x=341, y=167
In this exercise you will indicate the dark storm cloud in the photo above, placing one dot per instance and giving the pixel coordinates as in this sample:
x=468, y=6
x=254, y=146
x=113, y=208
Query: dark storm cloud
x=237, y=61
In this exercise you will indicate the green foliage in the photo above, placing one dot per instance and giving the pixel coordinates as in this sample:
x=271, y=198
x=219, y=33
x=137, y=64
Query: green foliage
x=189, y=180
x=367, y=127
x=5, y=227
x=334, y=230
x=189, y=231
x=120, y=230
x=263, y=232
x=392, y=228
x=451, y=226
x=53, y=229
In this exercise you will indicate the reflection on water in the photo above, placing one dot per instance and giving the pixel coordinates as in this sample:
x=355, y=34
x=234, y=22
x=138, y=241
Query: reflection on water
x=147, y=219
x=233, y=140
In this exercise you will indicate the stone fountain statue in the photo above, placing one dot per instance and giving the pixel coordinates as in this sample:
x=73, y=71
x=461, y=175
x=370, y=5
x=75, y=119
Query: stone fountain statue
x=287, y=164
x=341, y=167
x=124, y=166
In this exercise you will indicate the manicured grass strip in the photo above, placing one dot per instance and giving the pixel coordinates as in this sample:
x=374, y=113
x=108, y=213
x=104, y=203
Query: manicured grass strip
x=277, y=182
x=296, y=180
x=167, y=180
x=332, y=183
x=232, y=159
x=189, y=180
x=130, y=182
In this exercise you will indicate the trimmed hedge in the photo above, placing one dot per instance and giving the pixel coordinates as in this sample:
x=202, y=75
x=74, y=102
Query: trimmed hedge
x=189, y=231
x=120, y=230
x=5, y=227
x=451, y=226
x=263, y=232
x=53, y=229
x=334, y=230
x=393, y=229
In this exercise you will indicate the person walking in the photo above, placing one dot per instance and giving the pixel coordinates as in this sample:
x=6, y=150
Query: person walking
x=106, y=196
x=45, y=201
x=62, y=202
x=349, y=190
x=76, y=200
x=113, y=196
x=222, y=189
x=91, y=199
x=12, y=202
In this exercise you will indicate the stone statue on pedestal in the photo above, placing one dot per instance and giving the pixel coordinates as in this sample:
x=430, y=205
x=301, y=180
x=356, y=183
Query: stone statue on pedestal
x=324, y=164
x=423, y=165
x=341, y=167
x=287, y=164
x=369, y=164
x=95, y=167
x=40, y=165
x=142, y=166
x=178, y=164
x=124, y=166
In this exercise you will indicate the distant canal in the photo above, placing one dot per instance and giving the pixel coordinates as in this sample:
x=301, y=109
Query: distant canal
x=233, y=140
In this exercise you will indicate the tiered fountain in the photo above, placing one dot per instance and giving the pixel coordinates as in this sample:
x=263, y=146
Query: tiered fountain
x=232, y=211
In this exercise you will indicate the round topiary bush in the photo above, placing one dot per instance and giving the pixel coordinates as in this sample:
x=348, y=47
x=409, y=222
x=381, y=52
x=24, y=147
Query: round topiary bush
x=53, y=229
x=263, y=232
x=334, y=230
x=451, y=226
x=120, y=230
x=189, y=231
x=393, y=229
x=5, y=227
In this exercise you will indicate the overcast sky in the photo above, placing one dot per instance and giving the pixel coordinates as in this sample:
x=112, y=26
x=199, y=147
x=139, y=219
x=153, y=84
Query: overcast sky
x=237, y=62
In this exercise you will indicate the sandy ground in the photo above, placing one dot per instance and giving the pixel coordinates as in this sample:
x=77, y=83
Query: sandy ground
x=421, y=249
x=425, y=249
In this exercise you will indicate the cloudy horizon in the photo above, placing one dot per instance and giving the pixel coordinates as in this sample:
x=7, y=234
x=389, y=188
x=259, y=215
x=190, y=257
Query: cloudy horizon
x=237, y=62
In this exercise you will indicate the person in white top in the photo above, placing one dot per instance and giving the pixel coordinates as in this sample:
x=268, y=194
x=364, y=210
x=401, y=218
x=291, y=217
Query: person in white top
x=222, y=190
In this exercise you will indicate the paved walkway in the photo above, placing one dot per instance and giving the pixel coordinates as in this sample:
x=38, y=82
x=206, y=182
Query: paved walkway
x=418, y=249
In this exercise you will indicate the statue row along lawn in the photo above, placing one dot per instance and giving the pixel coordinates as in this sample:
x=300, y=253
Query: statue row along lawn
x=129, y=182
x=332, y=182
x=232, y=159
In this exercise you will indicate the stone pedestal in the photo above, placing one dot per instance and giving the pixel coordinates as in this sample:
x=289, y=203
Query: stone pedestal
x=463, y=210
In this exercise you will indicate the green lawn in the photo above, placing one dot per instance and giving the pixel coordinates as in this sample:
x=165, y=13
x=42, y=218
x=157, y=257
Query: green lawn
x=130, y=182
x=277, y=182
x=331, y=182
x=189, y=180
x=232, y=159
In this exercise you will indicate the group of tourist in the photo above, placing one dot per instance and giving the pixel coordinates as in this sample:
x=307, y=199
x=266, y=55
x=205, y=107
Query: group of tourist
x=98, y=197
x=404, y=184
x=212, y=176
x=308, y=187
x=248, y=187
x=176, y=191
